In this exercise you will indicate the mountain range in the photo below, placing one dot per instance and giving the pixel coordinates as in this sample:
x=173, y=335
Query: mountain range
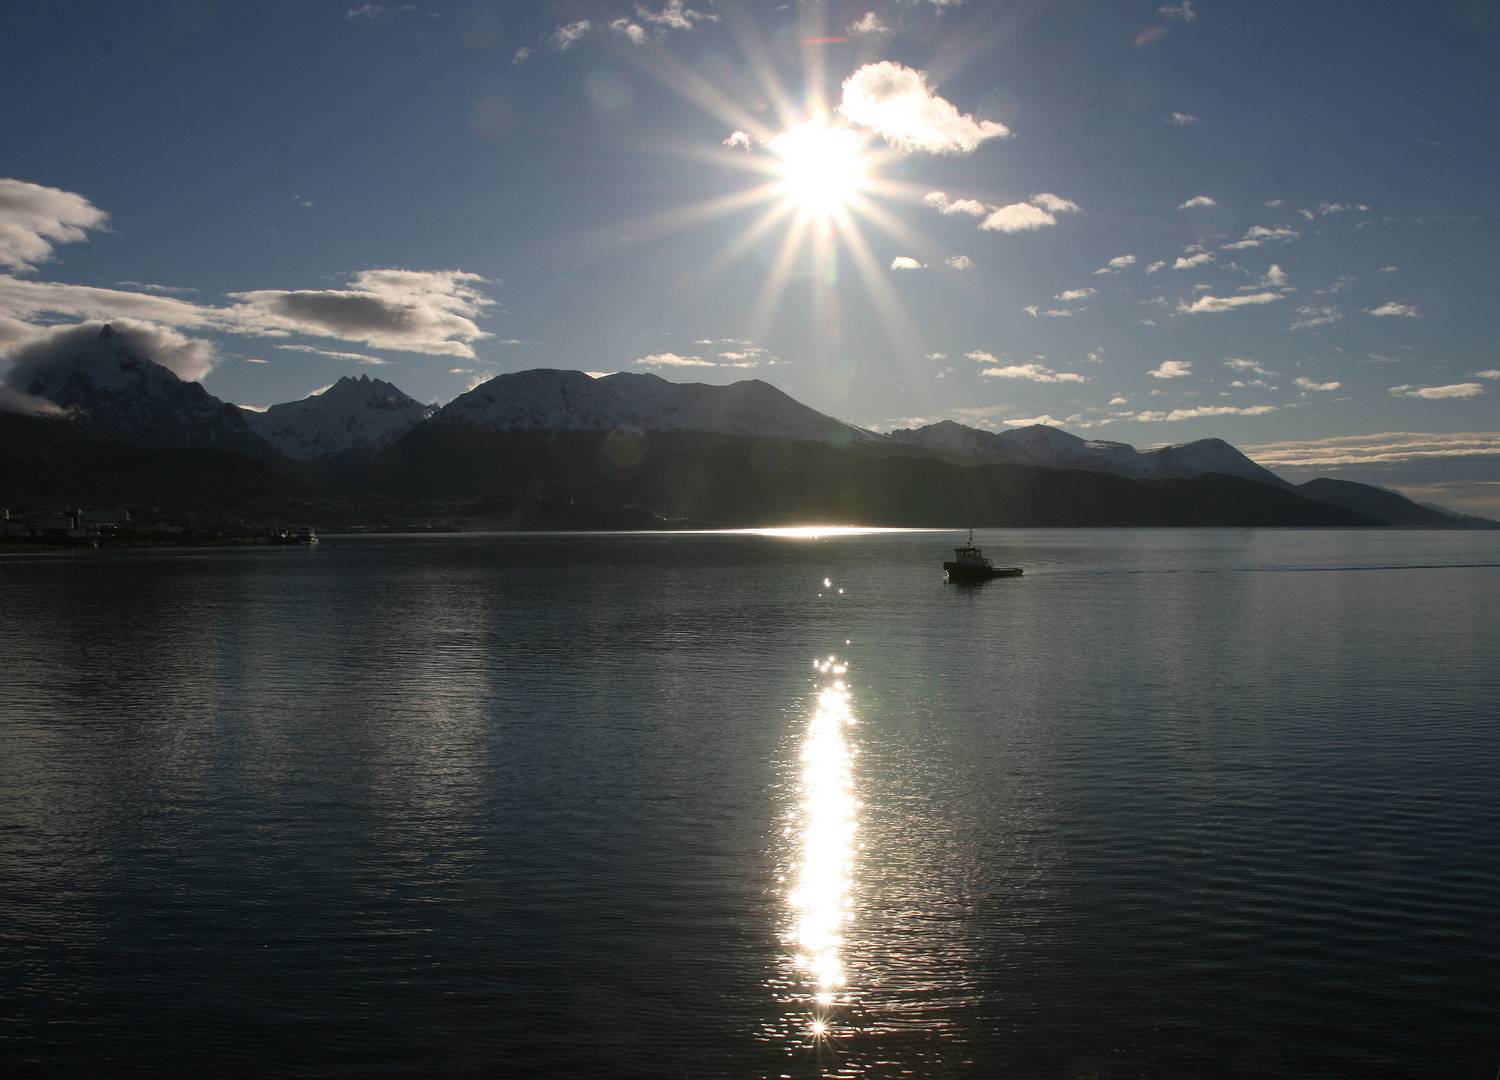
x=651, y=449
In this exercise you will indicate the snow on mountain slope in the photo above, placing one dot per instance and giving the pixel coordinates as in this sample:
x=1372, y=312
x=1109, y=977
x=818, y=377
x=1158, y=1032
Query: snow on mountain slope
x=548, y=399
x=353, y=416
x=112, y=390
x=1053, y=448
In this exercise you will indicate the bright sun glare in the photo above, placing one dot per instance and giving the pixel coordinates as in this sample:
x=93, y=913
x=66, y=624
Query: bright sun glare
x=823, y=167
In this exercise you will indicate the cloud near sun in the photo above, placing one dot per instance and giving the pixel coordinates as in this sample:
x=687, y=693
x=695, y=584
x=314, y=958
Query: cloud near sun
x=897, y=104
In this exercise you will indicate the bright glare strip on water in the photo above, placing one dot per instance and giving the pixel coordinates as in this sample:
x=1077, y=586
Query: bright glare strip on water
x=815, y=532
x=827, y=809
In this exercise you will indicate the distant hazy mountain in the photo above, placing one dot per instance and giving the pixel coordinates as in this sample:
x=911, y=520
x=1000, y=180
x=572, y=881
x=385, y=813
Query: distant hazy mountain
x=1387, y=507
x=1053, y=448
x=353, y=418
x=116, y=394
x=552, y=400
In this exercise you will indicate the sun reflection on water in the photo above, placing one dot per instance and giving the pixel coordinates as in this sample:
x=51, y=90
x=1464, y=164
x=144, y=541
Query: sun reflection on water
x=826, y=815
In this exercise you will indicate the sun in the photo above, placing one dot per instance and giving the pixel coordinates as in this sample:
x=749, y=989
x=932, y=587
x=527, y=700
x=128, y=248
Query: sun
x=822, y=168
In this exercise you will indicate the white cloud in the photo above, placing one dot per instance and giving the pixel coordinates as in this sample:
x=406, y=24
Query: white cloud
x=1275, y=277
x=1075, y=294
x=1118, y=263
x=897, y=103
x=33, y=218
x=1433, y=393
x=634, y=31
x=671, y=359
x=1181, y=119
x=979, y=356
x=1310, y=384
x=1187, y=262
x=1258, y=235
x=1157, y=265
x=739, y=139
x=936, y=356
x=1183, y=11
x=906, y=262
x=959, y=262
x=1055, y=203
x=1172, y=369
x=1491, y=374
x=1226, y=303
x=1339, y=208
x=939, y=202
x=1058, y=313
x=868, y=25
x=1197, y=200
x=1394, y=308
x=564, y=37
x=1032, y=310
x=522, y=54
x=1030, y=373
x=1029, y=421
x=1017, y=217
x=1247, y=365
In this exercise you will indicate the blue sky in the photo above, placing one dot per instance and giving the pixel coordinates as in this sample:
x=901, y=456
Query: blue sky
x=1150, y=222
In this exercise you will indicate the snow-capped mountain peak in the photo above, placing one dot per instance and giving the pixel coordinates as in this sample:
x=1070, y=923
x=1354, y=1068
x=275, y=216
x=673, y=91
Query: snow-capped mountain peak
x=549, y=399
x=352, y=417
x=107, y=385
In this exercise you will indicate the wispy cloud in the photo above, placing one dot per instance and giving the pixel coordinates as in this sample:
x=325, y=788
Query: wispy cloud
x=1075, y=294
x=959, y=262
x=868, y=25
x=1202, y=411
x=1435, y=393
x=1257, y=235
x=1027, y=372
x=565, y=37
x=671, y=359
x=358, y=358
x=1115, y=265
x=1214, y=304
x=1198, y=200
x=1312, y=384
x=1394, y=308
x=896, y=103
x=1172, y=369
x=1181, y=119
x=1182, y=12
x=33, y=218
x=1388, y=447
x=940, y=202
x=1248, y=365
x=1316, y=315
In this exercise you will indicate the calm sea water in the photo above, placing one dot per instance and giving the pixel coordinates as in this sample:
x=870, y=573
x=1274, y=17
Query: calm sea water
x=1175, y=804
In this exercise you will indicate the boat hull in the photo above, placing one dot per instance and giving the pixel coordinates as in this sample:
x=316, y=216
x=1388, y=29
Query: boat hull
x=967, y=572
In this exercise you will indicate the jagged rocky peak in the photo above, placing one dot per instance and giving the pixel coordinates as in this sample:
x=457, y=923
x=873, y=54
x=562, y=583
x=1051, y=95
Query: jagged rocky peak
x=352, y=418
x=557, y=400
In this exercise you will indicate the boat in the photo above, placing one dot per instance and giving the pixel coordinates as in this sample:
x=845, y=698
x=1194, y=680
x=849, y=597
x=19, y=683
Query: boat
x=969, y=565
x=305, y=535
